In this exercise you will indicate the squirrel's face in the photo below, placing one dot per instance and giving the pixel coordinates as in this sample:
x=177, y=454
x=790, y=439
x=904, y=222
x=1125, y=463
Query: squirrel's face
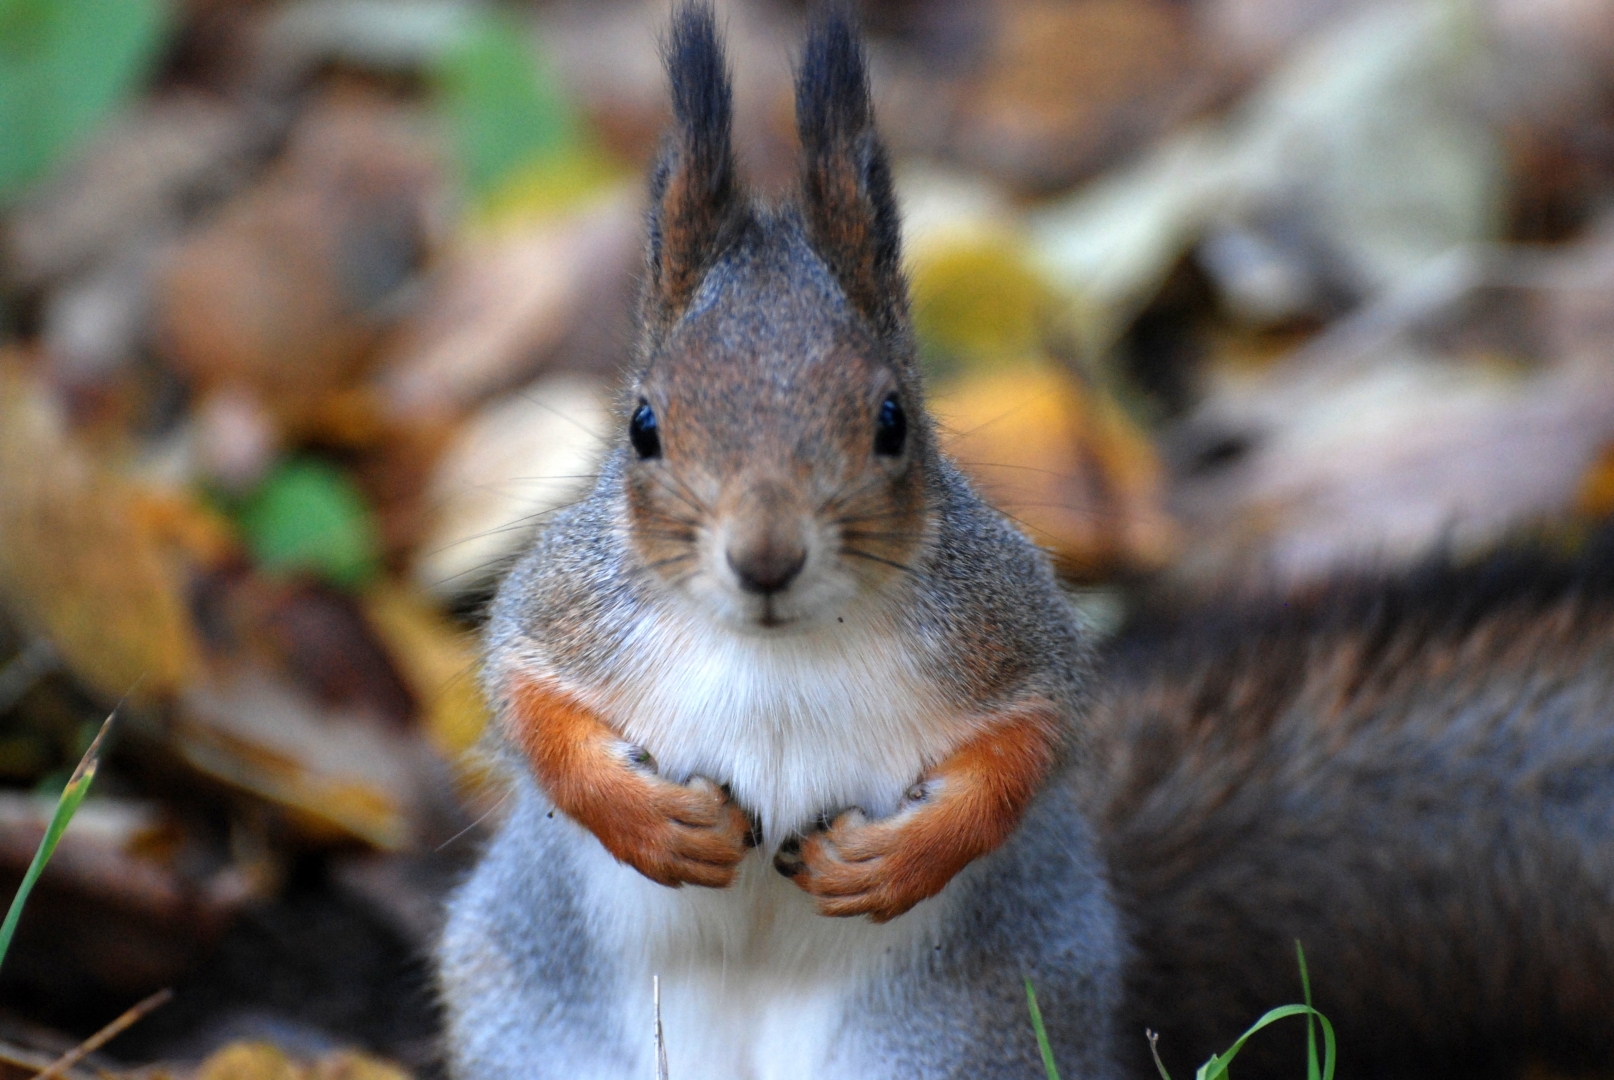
x=775, y=441
x=776, y=458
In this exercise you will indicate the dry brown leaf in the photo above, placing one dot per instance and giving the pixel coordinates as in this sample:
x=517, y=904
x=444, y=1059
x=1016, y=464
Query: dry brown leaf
x=1067, y=86
x=1476, y=401
x=514, y=461
x=338, y=775
x=286, y=291
x=249, y=1061
x=262, y=1061
x=349, y=1065
x=439, y=661
x=85, y=558
x=1065, y=463
x=504, y=301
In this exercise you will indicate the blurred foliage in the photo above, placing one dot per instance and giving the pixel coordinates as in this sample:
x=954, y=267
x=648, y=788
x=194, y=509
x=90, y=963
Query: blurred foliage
x=308, y=516
x=503, y=109
x=64, y=65
x=978, y=303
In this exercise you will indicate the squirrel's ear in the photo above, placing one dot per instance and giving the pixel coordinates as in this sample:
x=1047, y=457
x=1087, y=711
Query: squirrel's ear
x=850, y=207
x=696, y=205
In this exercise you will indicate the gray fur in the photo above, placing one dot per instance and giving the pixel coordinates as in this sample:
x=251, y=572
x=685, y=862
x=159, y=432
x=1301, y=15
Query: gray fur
x=1038, y=908
x=522, y=983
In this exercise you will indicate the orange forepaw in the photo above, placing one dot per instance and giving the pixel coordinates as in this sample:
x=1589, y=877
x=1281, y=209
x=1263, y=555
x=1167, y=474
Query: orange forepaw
x=674, y=834
x=959, y=811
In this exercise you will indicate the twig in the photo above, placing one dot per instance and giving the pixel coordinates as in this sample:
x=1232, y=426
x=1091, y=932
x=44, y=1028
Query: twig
x=22, y=1057
x=661, y=1042
x=89, y=1046
x=32, y=1060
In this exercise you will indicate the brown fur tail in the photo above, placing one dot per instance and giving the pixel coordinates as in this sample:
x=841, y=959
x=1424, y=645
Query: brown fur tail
x=1416, y=780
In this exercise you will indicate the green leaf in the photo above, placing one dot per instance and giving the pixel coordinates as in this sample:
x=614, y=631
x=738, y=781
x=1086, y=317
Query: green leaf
x=1042, y=1033
x=504, y=111
x=78, y=786
x=64, y=65
x=307, y=516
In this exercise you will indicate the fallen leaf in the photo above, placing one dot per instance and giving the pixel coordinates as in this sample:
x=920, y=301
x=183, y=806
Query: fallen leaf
x=1063, y=462
x=83, y=561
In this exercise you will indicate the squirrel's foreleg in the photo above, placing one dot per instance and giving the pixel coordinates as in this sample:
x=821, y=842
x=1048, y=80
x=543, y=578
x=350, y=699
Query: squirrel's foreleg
x=674, y=834
x=960, y=810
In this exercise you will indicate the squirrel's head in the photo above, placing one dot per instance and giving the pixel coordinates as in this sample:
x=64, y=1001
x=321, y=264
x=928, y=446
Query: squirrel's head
x=775, y=441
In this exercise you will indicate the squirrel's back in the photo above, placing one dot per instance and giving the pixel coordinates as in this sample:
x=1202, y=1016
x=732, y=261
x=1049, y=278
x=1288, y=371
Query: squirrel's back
x=1412, y=777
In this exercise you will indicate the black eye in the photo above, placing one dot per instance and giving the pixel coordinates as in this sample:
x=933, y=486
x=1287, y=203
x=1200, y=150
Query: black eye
x=890, y=427
x=642, y=432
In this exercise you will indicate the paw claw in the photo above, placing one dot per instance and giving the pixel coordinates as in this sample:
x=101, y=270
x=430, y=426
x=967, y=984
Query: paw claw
x=857, y=866
x=688, y=834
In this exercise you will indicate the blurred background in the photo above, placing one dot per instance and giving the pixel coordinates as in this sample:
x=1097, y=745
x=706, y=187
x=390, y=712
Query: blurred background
x=310, y=312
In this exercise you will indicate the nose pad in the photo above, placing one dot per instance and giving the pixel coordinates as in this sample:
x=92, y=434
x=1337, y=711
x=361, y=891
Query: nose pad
x=767, y=567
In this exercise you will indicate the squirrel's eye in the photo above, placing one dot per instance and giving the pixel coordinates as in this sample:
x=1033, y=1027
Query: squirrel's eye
x=642, y=432
x=890, y=427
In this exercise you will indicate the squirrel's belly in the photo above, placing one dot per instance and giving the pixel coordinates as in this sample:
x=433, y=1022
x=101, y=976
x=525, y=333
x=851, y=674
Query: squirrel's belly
x=797, y=725
x=755, y=984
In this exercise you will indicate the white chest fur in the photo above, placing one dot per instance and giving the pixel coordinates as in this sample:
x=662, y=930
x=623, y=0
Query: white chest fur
x=796, y=724
x=754, y=980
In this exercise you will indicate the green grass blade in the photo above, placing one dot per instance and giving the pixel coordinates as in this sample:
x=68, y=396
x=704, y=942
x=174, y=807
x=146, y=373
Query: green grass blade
x=78, y=785
x=1216, y=1067
x=1312, y=1070
x=1042, y=1033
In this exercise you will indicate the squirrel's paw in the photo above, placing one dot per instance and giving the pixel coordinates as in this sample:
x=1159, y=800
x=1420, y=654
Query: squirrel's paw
x=854, y=866
x=680, y=834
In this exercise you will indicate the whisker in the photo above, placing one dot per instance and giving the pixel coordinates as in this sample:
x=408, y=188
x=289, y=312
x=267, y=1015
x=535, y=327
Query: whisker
x=538, y=479
x=879, y=559
x=949, y=430
x=600, y=437
x=1025, y=525
x=1022, y=468
x=690, y=496
x=682, y=579
x=525, y=521
x=672, y=519
x=680, y=491
x=865, y=534
x=867, y=519
x=841, y=498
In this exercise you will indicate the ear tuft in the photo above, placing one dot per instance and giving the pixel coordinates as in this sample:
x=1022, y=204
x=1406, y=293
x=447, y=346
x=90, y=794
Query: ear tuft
x=696, y=204
x=850, y=207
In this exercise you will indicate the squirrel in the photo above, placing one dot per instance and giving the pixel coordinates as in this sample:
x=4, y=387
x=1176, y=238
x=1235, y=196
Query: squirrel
x=799, y=725
x=784, y=699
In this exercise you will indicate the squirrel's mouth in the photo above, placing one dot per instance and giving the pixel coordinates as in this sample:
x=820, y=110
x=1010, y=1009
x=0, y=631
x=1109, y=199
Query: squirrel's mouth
x=769, y=617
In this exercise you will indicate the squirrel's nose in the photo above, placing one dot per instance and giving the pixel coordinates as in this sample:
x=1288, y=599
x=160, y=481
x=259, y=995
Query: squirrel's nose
x=767, y=567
